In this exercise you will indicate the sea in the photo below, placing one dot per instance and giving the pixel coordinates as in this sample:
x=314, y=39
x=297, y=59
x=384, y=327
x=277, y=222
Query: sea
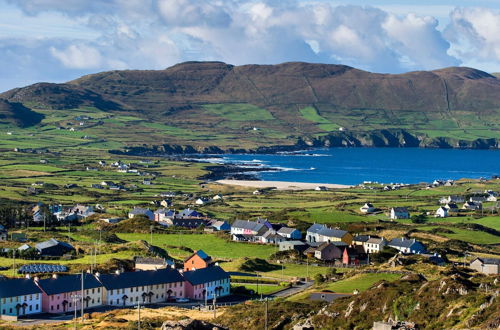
x=356, y=165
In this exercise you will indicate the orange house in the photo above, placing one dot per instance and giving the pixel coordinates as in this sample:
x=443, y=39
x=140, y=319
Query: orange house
x=197, y=260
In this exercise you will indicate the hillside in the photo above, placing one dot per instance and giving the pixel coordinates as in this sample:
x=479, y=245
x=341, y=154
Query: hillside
x=17, y=114
x=207, y=104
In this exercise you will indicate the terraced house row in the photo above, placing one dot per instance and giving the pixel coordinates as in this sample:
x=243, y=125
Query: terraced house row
x=61, y=294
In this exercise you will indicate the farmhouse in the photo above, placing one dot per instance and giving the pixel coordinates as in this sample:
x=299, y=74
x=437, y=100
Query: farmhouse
x=321, y=233
x=141, y=211
x=53, y=247
x=292, y=245
x=472, y=205
x=489, y=266
x=220, y=225
x=328, y=252
x=354, y=255
x=289, y=233
x=367, y=208
x=197, y=260
x=247, y=227
x=399, y=213
x=441, y=212
x=451, y=207
x=407, y=246
x=375, y=244
x=149, y=263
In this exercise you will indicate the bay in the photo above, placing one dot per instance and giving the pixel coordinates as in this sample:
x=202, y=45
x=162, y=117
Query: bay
x=384, y=165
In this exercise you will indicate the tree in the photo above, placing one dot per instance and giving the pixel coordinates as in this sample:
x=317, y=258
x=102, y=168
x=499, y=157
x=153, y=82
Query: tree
x=418, y=218
x=318, y=278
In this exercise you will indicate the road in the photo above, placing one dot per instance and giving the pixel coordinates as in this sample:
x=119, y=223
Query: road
x=292, y=290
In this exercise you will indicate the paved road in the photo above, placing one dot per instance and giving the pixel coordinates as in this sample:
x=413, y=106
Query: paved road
x=292, y=290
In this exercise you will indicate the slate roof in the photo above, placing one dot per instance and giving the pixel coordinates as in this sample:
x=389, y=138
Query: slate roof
x=294, y=243
x=286, y=230
x=141, y=278
x=489, y=261
x=315, y=228
x=139, y=210
x=375, y=240
x=189, y=213
x=332, y=232
x=205, y=275
x=17, y=287
x=402, y=242
x=361, y=238
x=400, y=209
x=149, y=261
x=68, y=283
x=247, y=224
x=53, y=242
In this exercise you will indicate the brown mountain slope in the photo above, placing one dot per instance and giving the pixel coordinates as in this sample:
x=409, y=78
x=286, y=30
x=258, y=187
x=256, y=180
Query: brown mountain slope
x=216, y=104
x=17, y=114
x=298, y=83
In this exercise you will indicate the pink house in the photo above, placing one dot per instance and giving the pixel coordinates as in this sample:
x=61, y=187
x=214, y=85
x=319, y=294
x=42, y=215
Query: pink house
x=64, y=294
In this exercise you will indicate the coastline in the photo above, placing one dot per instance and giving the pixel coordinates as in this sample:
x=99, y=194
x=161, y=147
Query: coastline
x=281, y=185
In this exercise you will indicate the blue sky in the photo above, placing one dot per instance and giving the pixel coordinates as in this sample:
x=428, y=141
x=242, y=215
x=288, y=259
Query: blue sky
x=59, y=40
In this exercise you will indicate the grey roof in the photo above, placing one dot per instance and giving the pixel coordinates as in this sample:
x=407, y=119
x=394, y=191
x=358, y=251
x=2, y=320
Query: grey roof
x=53, y=242
x=68, y=283
x=247, y=224
x=17, y=287
x=489, y=261
x=205, y=275
x=400, y=209
x=361, y=238
x=315, y=228
x=402, y=242
x=294, y=243
x=286, y=230
x=141, y=278
x=139, y=210
x=328, y=232
x=150, y=261
x=375, y=240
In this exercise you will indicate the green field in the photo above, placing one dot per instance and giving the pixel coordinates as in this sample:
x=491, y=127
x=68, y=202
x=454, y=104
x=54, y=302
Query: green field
x=214, y=246
x=264, y=289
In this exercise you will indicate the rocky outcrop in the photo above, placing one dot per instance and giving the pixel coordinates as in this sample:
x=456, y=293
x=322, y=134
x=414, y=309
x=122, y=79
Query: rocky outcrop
x=189, y=324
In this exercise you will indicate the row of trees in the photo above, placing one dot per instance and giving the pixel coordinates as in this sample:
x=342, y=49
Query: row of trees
x=21, y=216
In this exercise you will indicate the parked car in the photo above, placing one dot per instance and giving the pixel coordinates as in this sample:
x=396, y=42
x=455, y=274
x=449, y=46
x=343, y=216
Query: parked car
x=182, y=300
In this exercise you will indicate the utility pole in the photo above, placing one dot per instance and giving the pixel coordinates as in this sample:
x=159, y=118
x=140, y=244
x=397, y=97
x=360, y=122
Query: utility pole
x=139, y=315
x=81, y=302
x=307, y=269
x=14, y=262
x=151, y=240
x=215, y=306
x=265, y=324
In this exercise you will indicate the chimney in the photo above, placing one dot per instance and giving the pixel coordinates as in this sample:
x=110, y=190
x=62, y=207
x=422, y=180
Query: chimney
x=97, y=274
x=28, y=276
x=54, y=276
x=117, y=272
x=36, y=279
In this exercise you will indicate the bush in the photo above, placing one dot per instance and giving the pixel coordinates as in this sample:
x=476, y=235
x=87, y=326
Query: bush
x=418, y=218
x=257, y=265
x=318, y=278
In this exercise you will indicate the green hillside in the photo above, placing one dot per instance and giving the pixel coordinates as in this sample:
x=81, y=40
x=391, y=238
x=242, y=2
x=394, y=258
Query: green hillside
x=201, y=105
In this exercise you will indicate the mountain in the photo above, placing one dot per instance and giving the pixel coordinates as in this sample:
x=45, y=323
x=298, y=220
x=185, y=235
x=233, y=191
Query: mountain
x=217, y=104
x=18, y=115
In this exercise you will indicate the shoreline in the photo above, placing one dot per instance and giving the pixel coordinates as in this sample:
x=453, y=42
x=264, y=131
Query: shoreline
x=281, y=185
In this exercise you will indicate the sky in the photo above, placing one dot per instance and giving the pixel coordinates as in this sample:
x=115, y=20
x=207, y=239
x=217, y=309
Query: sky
x=60, y=40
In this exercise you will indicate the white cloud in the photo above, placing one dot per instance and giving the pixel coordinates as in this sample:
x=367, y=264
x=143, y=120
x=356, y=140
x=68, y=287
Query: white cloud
x=475, y=33
x=153, y=34
x=78, y=56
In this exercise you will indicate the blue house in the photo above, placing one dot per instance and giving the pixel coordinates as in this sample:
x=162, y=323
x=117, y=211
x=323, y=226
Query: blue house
x=221, y=226
x=407, y=246
x=20, y=296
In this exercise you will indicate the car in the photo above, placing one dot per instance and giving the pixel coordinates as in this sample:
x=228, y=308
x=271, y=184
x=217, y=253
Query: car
x=182, y=300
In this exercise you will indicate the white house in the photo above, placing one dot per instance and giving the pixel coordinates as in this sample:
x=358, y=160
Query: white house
x=290, y=233
x=141, y=211
x=367, y=208
x=321, y=188
x=374, y=244
x=399, y=213
x=441, y=212
x=202, y=201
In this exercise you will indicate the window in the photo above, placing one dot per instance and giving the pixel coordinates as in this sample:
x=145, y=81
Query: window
x=51, y=308
x=3, y=311
x=36, y=306
x=111, y=292
x=58, y=306
x=10, y=310
x=92, y=291
x=70, y=304
x=92, y=300
x=99, y=290
x=31, y=308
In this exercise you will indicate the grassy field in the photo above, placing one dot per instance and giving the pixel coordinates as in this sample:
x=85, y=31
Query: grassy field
x=264, y=289
x=214, y=246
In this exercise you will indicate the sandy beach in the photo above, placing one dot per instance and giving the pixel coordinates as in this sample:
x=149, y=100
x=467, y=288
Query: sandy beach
x=281, y=185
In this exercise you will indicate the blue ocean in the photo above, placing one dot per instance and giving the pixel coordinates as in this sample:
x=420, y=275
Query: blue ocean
x=384, y=165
